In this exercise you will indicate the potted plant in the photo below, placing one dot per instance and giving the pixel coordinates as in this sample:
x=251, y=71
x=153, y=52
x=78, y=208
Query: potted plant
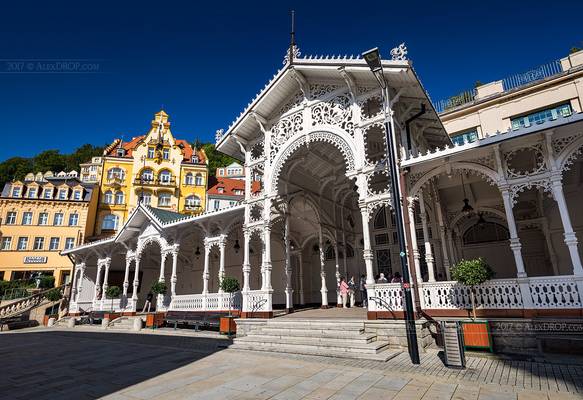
x=52, y=312
x=158, y=288
x=112, y=292
x=473, y=273
x=227, y=324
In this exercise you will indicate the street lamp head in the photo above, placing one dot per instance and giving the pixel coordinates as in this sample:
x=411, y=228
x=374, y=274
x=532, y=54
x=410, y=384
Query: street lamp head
x=373, y=59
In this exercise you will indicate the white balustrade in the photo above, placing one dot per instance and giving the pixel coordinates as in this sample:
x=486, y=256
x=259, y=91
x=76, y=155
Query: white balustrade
x=257, y=300
x=555, y=292
x=116, y=305
x=385, y=297
x=494, y=294
x=205, y=302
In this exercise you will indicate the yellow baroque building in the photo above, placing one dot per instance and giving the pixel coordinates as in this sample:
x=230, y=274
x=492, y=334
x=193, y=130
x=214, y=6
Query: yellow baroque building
x=155, y=169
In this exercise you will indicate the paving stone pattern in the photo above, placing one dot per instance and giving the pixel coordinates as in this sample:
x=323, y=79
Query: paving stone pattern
x=43, y=364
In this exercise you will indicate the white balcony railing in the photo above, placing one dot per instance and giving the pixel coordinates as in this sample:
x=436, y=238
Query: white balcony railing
x=205, y=302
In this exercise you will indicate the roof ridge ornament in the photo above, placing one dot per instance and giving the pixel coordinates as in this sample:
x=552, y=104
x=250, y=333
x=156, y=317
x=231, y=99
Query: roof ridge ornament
x=219, y=135
x=295, y=52
x=399, y=53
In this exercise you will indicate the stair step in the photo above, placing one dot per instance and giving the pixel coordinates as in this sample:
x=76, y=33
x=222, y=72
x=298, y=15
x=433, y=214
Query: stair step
x=357, y=339
x=358, y=327
x=338, y=346
x=314, y=351
x=316, y=333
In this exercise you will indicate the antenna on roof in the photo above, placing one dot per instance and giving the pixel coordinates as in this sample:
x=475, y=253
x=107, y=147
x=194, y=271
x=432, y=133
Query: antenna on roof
x=292, y=43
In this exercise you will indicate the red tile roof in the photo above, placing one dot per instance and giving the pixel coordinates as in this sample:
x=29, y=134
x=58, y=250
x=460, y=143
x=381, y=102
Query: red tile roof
x=229, y=186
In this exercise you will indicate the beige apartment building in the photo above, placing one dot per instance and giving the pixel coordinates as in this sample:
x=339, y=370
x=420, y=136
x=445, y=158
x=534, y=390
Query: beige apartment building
x=547, y=92
x=40, y=217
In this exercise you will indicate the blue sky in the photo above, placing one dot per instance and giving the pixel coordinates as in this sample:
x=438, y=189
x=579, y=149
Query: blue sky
x=204, y=62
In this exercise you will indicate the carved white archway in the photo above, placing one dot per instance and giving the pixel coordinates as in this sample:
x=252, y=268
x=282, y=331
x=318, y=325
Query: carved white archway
x=490, y=175
x=323, y=133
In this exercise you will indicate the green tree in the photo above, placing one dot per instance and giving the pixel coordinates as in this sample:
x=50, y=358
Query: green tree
x=229, y=285
x=472, y=273
x=216, y=158
x=49, y=160
x=14, y=168
x=112, y=293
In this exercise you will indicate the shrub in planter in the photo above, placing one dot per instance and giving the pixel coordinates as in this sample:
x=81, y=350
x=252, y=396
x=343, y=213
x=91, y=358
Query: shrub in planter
x=472, y=273
x=46, y=282
x=112, y=292
x=229, y=285
x=159, y=288
x=53, y=295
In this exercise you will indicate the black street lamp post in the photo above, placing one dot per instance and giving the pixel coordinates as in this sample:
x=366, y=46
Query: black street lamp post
x=373, y=59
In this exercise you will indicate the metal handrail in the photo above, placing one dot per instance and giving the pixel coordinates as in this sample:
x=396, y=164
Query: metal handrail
x=21, y=306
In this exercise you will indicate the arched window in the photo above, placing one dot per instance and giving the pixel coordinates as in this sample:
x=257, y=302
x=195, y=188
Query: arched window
x=108, y=197
x=116, y=173
x=192, y=201
x=349, y=251
x=189, y=179
x=380, y=220
x=109, y=222
x=165, y=176
x=485, y=232
x=147, y=175
x=330, y=255
x=164, y=199
x=119, y=197
x=198, y=180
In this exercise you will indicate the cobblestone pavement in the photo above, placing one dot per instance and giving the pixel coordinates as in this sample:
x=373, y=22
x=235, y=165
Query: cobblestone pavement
x=81, y=364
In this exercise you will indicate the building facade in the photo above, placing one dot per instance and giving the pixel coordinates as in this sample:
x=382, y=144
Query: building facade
x=155, y=169
x=233, y=171
x=42, y=216
x=315, y=137
x=224, y=192
x=91, y=171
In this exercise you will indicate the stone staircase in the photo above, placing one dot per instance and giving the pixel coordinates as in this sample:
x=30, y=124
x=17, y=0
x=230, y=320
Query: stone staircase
x=330, y=338
x=122, y=324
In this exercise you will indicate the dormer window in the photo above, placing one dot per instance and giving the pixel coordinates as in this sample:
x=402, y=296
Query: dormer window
x=62, y=194
x=194, y=159
x=77, y=195
x=32, y=193
x=16, y=191
x=48, y=194
x=121, y=152
x=221, y=190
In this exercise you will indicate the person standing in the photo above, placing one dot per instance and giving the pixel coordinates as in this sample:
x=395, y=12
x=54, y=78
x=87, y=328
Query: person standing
x=363, y=294
x=397, y=278
x=352, y=291
x=344, y=291
x=382, y=278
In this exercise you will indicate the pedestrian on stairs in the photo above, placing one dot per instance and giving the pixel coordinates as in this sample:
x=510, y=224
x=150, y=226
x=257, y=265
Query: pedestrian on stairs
x=352, y=291
x=344, y=291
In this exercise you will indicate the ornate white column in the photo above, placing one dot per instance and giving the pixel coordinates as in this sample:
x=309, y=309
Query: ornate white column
x=515, y=245
x=205, y=273
x=106, y=264
x=324, y=289
x=267, y=261
x=246, y=263
x=428, y=251
x=174, y=277
x=97, y=291
x=79, y=282
x=301, y=277
x=442, y=237
x=413, y=229
x=569, y=234
x=289, y=302
x=136, y=281
x=222, y=245
x=126, y=277
x=163, y=255
x=367, y=251
x=338, y=295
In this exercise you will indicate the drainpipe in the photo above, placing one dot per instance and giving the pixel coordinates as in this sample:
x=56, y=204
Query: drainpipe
x=408, y=122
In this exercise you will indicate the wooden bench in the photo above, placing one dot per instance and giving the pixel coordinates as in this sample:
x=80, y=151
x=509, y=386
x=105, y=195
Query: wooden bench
x=198, y=320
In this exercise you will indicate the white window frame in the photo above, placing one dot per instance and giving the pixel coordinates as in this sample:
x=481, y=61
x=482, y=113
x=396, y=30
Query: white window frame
x=43, y=218
x=6, y=243
x=27, y=218
x=164, y=199
x=61, y=219
x=69, y=243
x=74, y=216
x=11, y=217
x=22, y=240
x=54, y=243
x=39, y=243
